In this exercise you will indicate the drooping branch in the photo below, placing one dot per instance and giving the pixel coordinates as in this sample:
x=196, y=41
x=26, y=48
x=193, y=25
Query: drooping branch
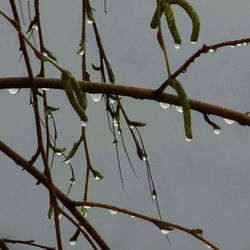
x=71, y=205
x=20, y=161
x=139, y=93
x=203, y=50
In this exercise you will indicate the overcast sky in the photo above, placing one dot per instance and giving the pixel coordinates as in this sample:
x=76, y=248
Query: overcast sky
x=203, y=184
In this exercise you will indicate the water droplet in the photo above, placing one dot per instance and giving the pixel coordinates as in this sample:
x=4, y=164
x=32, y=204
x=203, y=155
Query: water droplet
x=144, y=157
x=13, y=91
x=217, y=131
x=179, y=109
x=165, y=105
x=45, y=54
x=98, y=178
x=131, y=126
x=67, y=161
x=165, y=231
x=245, y=43
x=35, y=27
x=58, y=153
x=177, y=46
x=45, y=89
x=83, y=123
x=132, y=216
x=232, y=46
x=115, y=142
x=188, y=139
x=154, y=196
x=72, y=181
x=81, y=52
x=193, y=42
x=90, y=21
x=72, y=242
x=60, y=216
x=96, y=97
x=208, y=246
x=212, y=50
x=113, y=211
x=112, y=101
x=116, y=123
x=228, y=121
x=239, y=44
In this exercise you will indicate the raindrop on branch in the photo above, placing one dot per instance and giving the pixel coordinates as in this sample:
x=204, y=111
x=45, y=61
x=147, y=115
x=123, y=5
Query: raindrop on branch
x=72, y=242
x=89, y=21
x=188, y=139
x=177, y=46
x=165, y=231
x=83, y=123
x=228, y=121
x=113, y=211
x=96, y=97
x=13, y=91
x=212, y=50
x=217, y=131
x=179, y=109
x=165, y=105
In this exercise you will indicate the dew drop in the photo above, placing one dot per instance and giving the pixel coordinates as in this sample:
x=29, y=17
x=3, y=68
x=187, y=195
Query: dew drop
x=81, y=52
x=67, y=161
x=112, y=101
x=45, y=89
x=228, y=121
x=35, y=27
x=239, y=44
x=193, y=42
x=115, y=142
x=144, y=157
x=45, y=54
x=72, y=242
x=217, y=131
x=83, y=123
x=131, y=126
x=89, y=21
x=115, y=123
x=177, y=46
x=13, y=91
x=188, y=139
x=58, y=153
x=165, y=105
x=179, y=109
x=232, y=46
x=245, y=43
x=165, y=231
x=96, y=97
x=208, y=246
x=154, y=196
x=98, y=178
x=113, y=211
x=212, y=50
x=132, y=216
x=60, y=216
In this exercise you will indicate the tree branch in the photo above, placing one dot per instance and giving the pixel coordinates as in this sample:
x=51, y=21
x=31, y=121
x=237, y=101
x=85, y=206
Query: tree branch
x=139, y=93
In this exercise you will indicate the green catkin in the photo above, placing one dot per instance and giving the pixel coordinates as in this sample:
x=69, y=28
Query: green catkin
x=192, y=14
x=66, y=81
x=81, y=96
x=156, y=17
x=171, y=23
x=184, y=101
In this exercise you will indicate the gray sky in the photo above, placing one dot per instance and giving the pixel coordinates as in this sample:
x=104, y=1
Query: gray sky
x=202, y=184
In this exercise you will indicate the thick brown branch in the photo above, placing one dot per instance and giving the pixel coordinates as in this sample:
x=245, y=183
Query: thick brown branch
x=20, y=161
x=131, y=91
